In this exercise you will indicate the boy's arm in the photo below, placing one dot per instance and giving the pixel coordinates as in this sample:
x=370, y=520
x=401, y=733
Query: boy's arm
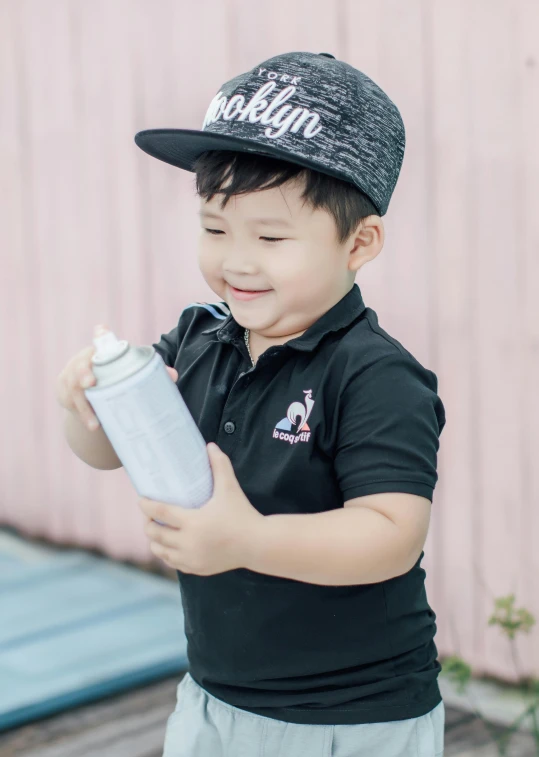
x=371, y=539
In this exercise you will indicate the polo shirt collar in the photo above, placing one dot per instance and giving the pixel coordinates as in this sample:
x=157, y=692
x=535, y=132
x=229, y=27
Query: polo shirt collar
x=342, y=314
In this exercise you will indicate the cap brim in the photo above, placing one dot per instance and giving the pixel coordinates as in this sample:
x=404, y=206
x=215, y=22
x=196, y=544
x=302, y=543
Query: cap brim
x=181, y=147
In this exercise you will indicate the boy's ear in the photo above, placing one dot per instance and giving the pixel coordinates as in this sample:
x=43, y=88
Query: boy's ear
x=365, y=242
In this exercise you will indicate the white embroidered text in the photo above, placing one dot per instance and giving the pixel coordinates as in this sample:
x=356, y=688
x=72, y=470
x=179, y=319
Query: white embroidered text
x=260, y=109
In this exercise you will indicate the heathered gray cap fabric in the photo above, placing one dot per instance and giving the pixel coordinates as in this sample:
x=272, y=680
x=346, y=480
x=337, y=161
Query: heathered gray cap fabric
x=306, y=108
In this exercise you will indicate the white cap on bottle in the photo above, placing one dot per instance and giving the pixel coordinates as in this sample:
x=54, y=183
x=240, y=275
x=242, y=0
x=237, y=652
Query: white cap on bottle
x=108, y=347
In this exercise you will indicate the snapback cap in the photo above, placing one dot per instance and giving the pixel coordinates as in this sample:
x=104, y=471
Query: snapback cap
x=305, y=108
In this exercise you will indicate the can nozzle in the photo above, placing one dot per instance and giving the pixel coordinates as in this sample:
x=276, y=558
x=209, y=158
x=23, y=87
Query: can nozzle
x=108, y=347
x=100, y=329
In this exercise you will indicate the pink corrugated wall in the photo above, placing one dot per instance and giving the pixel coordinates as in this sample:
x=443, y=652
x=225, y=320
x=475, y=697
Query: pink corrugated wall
x=94, y=230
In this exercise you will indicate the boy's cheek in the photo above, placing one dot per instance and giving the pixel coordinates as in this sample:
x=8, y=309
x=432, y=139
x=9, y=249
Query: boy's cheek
x=213, y=279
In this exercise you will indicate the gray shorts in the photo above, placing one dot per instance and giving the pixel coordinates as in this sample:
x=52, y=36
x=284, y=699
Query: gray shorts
x=203, y=726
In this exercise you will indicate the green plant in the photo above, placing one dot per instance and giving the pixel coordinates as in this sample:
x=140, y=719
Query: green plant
x=458, y=671
x=511, y=621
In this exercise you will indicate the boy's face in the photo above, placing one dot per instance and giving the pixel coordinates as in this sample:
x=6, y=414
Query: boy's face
x=306, y=271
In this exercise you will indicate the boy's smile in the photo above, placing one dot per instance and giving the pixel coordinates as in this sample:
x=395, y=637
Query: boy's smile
x=247, y=294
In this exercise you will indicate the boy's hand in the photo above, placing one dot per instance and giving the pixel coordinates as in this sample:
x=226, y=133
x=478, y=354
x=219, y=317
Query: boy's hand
x=212, y=539
x=77, y=376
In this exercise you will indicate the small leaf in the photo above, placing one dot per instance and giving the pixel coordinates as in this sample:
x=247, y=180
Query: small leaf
x=458, y=671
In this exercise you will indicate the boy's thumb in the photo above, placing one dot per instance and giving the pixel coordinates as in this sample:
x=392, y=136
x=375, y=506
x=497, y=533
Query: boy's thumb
x=100, y=329
x=173, y=373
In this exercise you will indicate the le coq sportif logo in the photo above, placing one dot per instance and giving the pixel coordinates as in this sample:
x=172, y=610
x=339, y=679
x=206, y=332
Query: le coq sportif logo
x=293, y=427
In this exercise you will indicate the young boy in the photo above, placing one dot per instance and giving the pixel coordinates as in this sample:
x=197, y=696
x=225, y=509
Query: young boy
x=309, y=631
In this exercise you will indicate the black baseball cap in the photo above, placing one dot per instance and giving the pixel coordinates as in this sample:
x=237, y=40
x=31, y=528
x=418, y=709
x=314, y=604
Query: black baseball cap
x=305, y=108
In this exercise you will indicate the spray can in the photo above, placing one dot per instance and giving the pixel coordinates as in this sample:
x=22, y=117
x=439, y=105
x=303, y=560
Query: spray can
x=148, y=424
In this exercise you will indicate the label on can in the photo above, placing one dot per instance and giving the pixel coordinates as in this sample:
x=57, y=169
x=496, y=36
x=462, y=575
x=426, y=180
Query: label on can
x=155, y=436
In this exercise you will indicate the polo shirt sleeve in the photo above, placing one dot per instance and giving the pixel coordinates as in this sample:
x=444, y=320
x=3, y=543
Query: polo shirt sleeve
x=169, y=344
x=168, y=347
x=390, y=422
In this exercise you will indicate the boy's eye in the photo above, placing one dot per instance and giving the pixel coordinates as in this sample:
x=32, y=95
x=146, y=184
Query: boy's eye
x=266, y=239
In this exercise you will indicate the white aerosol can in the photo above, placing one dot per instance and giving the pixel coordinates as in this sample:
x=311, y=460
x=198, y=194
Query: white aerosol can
x=148, y=424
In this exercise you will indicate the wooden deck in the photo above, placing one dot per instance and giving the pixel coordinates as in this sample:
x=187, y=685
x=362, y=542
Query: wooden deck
x=133, y=725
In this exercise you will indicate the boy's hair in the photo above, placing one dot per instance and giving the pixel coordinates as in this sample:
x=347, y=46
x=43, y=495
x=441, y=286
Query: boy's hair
x=250, y=173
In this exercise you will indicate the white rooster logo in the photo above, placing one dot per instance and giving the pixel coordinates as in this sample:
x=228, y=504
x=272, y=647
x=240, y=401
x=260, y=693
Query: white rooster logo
x=295, y=410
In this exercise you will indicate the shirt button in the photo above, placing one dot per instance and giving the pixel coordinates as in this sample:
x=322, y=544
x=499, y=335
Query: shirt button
x=230, y=427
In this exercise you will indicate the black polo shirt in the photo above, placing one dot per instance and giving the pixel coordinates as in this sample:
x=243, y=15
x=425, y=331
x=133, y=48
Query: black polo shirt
x=342, y=411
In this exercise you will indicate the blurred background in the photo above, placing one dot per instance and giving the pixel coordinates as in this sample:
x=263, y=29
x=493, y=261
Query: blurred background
x=94, y=230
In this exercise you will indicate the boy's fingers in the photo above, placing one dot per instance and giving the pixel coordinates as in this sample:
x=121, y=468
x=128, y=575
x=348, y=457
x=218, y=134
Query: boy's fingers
x=85, y=411
x=173, y=373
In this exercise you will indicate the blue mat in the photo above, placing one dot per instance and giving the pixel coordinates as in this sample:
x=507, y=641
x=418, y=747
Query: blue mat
x=75, y=627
